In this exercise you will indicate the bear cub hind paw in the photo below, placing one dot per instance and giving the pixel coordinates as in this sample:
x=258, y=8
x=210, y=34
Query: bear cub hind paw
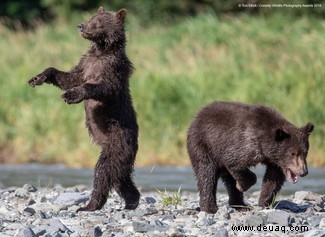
x=131, y=206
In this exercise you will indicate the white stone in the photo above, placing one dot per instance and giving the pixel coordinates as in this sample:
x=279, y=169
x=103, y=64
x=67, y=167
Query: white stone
x=322, y=223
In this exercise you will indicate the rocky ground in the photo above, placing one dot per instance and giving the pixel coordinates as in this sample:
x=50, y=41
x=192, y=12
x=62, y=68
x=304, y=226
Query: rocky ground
x=28, y=211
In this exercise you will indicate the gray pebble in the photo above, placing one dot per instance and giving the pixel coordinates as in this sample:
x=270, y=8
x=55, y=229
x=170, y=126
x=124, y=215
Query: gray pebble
x=205, y=221
x=158, y=223
x=39, y=231
x=140, y=226
x=96, y=232
x=30, y=188
x=278, y=217
x=30, y=211
x=71, y=198
x=21, y=193
x=150, y=200
x=221, y=233
x=306, y=195
x=314, y=221
x=31, y=202
x=57, y=224
x=25, y=232
x=322, y=223
x=255, y=220
x=174, y=232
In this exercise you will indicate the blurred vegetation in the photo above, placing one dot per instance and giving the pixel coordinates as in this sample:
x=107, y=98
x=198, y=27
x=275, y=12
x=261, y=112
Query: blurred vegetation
x=163, y=11
x=275, y=59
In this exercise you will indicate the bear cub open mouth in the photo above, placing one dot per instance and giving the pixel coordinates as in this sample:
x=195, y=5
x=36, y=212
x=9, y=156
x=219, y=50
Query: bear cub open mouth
x=291, y=176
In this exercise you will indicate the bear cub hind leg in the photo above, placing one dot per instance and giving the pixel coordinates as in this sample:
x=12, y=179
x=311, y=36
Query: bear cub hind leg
x=207, y=184
x=126, y=189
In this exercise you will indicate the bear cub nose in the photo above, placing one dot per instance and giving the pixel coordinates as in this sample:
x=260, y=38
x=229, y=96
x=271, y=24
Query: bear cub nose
x=303, y=173
x=80, y=26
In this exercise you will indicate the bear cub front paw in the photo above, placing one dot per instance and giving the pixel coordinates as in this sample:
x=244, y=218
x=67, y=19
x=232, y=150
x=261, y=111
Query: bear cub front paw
x=245, y=183
x=37, y=80
x=74, y=95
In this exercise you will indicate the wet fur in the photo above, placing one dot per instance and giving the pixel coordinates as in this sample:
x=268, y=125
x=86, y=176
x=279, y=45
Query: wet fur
x=101, y=80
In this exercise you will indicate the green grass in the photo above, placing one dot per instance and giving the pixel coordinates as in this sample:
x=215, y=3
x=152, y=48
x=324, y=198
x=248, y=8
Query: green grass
x=278, y=61
x=170, y=199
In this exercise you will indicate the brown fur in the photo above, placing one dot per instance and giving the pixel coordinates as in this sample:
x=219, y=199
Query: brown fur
x=101, y=80
x=226, y=138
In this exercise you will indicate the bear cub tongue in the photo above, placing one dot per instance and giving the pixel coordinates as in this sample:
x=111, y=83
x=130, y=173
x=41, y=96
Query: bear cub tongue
x=291, y=177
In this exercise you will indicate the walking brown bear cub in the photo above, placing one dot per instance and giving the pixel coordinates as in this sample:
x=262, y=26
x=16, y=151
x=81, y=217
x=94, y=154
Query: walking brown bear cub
x=226, y=138
x=101, y=80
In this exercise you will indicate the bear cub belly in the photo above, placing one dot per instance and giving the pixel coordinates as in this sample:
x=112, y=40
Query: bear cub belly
x=227, y=138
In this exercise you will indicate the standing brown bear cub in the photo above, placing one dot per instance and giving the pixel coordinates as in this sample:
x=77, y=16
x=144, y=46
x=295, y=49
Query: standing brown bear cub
x=101, y=80
x=226, y=138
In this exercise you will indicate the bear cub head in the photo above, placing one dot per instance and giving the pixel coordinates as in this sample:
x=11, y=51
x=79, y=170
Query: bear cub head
x=292, y=149
x=105, y=27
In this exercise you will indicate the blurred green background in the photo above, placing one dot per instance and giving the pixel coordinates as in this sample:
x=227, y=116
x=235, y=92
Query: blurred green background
x=186, y=54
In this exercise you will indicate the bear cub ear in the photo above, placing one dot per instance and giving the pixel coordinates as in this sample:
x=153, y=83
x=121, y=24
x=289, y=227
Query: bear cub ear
x=121, y=14
x=281, y=134
x=308, y=128
x=101, y=9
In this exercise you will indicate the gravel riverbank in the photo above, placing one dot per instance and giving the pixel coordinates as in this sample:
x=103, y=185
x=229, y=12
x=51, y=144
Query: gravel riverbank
x=28, y=211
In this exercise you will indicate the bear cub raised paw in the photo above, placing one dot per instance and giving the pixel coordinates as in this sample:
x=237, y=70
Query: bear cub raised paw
x=101, y=81
x=227, y=138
